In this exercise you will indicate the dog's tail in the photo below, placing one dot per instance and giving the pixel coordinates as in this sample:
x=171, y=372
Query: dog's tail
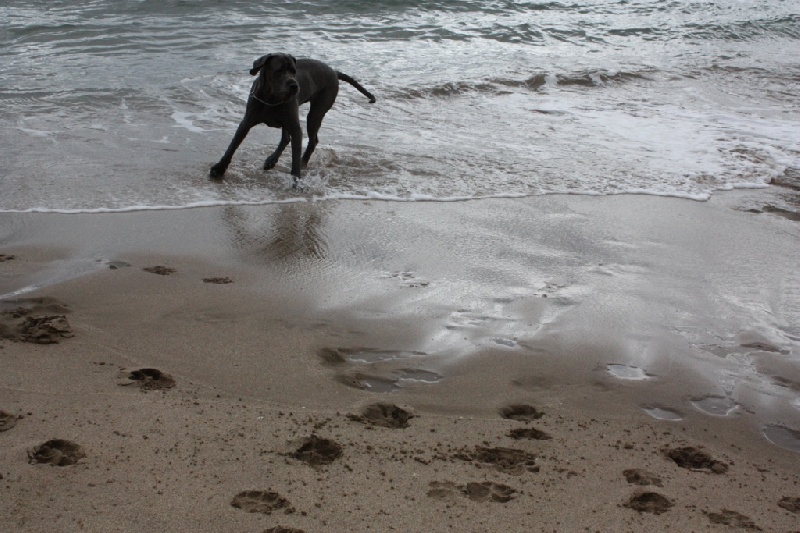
x=354, y=83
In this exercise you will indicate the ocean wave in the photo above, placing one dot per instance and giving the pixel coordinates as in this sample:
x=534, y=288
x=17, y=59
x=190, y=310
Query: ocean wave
x=580, y=79
x=379, y=196
x=783, y=26
x=500, y=86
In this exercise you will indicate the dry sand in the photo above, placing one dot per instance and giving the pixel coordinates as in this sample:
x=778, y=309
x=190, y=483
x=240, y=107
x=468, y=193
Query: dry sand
x=367, y=366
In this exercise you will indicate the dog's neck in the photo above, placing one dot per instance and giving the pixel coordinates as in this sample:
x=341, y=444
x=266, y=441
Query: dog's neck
x=253, y=95
x=265, y=101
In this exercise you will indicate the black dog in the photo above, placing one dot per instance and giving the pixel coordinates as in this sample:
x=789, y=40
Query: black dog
x=283, y=85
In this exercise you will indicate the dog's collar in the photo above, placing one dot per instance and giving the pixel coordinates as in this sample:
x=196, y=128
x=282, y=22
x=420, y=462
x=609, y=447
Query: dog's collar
x=253, y=95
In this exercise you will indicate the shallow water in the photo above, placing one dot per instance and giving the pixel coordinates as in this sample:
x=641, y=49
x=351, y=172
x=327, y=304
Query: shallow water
x=716, y=406
x=125, y=105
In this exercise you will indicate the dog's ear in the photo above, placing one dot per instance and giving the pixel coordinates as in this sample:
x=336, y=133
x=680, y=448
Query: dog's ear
x=258, y=63
x=294, y=61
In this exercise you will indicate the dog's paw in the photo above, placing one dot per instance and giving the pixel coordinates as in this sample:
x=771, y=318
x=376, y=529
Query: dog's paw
x=218, y=170
x=270, y=162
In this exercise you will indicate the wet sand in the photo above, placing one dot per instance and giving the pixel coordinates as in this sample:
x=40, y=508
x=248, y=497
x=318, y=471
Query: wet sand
x=544, y=364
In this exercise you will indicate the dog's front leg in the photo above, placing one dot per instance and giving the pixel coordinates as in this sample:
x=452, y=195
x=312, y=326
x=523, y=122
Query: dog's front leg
x=218, y=170
x=272, y=160
x=296, y=134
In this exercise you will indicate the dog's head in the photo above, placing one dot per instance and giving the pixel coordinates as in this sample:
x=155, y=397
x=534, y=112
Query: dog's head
x=277, y=74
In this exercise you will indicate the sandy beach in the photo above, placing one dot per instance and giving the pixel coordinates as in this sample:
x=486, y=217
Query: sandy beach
x=553, y=363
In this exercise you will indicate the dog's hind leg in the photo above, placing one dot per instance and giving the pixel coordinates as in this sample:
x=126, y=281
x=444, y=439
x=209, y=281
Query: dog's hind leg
x=319, y=106
x=272, y=160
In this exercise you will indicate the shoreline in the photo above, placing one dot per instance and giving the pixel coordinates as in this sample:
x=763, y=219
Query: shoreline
x=286, y=321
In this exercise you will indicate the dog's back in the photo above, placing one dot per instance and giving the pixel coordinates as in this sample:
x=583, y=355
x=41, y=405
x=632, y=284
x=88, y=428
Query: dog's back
x=314, y=77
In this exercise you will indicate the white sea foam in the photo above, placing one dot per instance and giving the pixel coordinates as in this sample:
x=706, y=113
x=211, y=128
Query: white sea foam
x=184, y=120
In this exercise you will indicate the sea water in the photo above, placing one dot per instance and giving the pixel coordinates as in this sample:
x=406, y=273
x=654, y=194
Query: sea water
x=124, y=105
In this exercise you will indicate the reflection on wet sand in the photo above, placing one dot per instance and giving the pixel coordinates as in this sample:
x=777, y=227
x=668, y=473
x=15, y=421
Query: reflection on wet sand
x=294, y=230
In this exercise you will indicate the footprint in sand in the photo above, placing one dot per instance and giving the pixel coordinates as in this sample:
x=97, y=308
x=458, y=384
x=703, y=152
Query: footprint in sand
x=45, y=329
x=529, y=434
x=627, y=372
x=637, y=476
x=521, y=412
x=383, y=370
x=317, y=451
x=508, y=460
x=443, y=490
x=367, y=382
x=649, y=502
x=486, y=491
x=6, y=257
x=218, y=281
x=260, y=501
x=694, y=459
x=782, y=436
x=385, y=415
x=790, y=503
x=160, y=270
x=418, y=374
x=56, y=452
x=715, y=405
x=148, y=379
x=338, y=356
x=25, y=324
x=389, y=382
x=116, y=265
x=732, y=518
x=408, y=279
x=7, y=421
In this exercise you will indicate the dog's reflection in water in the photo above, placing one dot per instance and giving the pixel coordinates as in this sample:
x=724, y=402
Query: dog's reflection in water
x=285, y=232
